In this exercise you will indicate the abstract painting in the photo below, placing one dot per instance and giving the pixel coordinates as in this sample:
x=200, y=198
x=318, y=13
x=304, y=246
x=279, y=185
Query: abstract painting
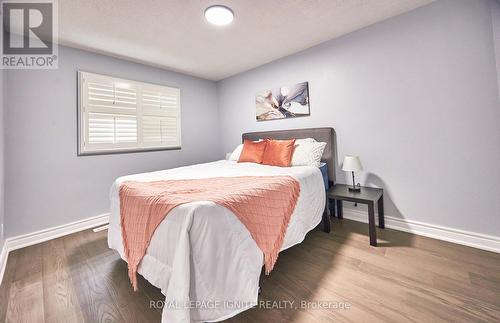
x=284, y=102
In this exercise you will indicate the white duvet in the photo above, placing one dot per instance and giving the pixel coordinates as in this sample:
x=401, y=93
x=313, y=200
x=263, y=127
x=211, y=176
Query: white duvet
x=201, y=256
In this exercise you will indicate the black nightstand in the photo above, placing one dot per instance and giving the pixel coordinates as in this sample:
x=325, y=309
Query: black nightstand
x=368, y=195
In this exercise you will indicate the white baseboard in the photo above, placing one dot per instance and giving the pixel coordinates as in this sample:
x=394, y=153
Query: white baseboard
x=101, y=228
x=3, y=260
x=29, y=239
x=466, y=238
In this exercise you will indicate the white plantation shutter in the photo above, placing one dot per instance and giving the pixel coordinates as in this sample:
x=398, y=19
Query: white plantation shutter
x=104, y=93
x=112, y=128
x=123, y=115
x=159, y=130
x=160, y=115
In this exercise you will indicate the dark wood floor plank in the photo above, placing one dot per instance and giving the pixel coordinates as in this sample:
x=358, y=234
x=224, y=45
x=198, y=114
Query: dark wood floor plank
x=90, y=285
x=114, y=271
x=7, y=280
x=59, y=295
x=26, y=291
x=407, y=278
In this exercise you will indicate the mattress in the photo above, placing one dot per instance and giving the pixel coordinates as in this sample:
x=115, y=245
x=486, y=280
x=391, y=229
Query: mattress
x=201, y=256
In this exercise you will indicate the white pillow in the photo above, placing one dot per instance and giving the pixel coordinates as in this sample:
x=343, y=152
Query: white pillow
x=235, y=155
x=304, y=140
x=308, y=153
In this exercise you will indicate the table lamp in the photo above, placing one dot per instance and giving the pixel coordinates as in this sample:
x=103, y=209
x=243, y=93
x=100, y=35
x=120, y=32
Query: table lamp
x=352, y=164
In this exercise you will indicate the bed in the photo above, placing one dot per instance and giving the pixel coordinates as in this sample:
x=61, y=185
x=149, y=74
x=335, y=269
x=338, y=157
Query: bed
x=201, y=256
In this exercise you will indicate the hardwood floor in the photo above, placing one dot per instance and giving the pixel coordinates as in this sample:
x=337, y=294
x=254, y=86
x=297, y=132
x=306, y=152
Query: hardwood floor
x=76, y=278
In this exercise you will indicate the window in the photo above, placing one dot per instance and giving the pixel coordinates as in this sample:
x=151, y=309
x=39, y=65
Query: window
x=117, y=115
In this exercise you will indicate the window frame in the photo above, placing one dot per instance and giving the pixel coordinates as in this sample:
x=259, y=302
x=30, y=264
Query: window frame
x=82, y=150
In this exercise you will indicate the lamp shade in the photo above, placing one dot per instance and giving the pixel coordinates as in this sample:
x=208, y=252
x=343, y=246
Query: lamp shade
x=352, y=164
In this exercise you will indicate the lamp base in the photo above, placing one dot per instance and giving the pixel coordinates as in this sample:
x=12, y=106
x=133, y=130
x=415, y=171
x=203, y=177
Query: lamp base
x=354, y=189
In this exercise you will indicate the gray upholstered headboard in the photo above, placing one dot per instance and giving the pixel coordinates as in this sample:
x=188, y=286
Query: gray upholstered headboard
x=320, y=134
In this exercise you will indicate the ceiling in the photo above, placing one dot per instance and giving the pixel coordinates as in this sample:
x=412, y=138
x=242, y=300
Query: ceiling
x=174, y=34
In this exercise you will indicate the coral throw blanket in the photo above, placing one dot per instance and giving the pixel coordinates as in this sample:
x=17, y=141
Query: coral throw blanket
x=264, y=204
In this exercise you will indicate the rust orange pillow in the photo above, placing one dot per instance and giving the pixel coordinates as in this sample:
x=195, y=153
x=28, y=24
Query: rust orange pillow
x=279, y=152
x=253, y=151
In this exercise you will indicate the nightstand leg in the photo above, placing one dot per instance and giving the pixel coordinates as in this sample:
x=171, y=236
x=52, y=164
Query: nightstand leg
x=381, y=222
x=327, y=223
x=371, y=224
x=339, y=209
x=332, y=207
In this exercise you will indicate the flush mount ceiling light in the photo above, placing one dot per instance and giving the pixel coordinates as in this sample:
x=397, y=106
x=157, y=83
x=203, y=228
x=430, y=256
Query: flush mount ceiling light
x=219, y=15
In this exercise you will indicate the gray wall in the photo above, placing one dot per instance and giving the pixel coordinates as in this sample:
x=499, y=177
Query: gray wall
x=46, y=183
x=415, y=97
x=495, y=18
x=2, y=200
